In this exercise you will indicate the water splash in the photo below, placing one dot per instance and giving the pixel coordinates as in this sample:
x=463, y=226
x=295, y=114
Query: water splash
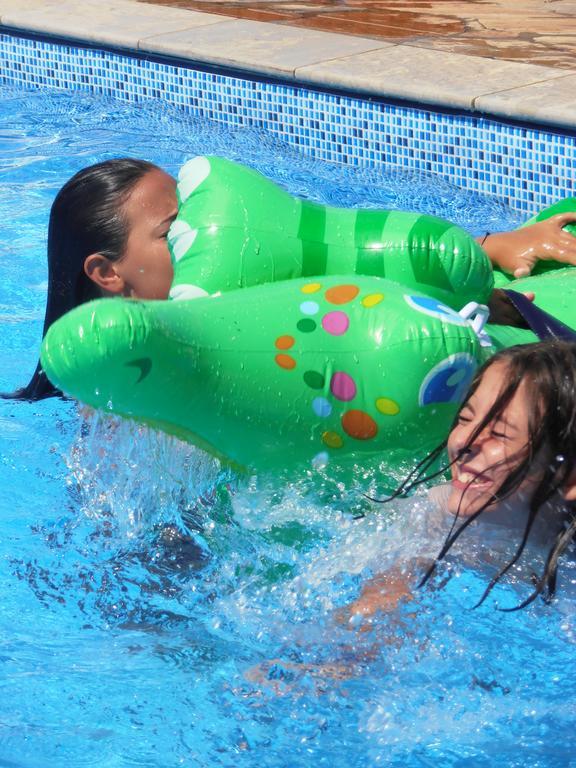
x=138, y=477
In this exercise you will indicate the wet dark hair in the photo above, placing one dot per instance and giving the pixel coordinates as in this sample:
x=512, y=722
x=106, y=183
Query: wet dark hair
x=548, y=370
x=86, y=217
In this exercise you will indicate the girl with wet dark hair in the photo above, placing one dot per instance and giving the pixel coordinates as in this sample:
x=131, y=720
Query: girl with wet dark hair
x=512, y=460
x=106, y=237
x=510, y=505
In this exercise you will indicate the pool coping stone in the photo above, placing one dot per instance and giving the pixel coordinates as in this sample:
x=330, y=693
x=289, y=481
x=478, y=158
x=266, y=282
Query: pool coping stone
x=367, y=66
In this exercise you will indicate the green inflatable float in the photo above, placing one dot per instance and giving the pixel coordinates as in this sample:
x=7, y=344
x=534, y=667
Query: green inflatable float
x=297, y=334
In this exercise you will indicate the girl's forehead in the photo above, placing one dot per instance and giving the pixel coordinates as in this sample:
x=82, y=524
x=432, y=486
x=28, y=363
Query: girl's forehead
x=492, y=385
x=497, y=371
x=492, y=382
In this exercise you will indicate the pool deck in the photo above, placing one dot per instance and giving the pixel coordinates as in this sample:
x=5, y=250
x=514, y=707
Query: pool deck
x=504, y=58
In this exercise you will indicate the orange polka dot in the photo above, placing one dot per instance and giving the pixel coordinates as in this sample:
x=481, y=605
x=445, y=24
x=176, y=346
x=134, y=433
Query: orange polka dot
x=284, y=342
x=311, y=287
x=285, y=361
x=332, y=440
x=341, y=294
x=359, y=425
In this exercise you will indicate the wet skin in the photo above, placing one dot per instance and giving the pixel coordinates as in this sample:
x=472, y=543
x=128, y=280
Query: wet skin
x=479, y=472
x=145, y=269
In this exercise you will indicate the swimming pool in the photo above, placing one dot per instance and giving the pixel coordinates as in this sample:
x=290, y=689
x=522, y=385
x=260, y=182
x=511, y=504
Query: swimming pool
x=526, y=165
x=125, y=643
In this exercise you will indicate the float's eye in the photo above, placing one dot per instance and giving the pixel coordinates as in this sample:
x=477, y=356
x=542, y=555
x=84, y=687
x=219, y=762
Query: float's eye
x=427, y=305
x=144, y=364
x=448, y=381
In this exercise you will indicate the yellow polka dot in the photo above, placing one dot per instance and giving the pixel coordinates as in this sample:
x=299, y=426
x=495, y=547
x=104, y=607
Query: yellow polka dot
x=311, y=287
x=372, y=299
x=332, y=440
x=387, y=406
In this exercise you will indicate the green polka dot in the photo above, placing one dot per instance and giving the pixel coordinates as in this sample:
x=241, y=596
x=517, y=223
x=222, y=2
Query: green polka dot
x=306, y=325
x=314, y=379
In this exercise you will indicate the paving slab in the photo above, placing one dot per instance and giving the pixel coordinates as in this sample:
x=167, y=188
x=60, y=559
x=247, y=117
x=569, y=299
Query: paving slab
x=7, y=6
x=550, y=102
x=406, y=72
x=529, y=31
x=119, y=23
x=259, y=47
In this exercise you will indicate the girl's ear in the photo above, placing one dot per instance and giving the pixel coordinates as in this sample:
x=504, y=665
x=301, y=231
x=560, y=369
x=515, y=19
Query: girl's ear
x=102, y=271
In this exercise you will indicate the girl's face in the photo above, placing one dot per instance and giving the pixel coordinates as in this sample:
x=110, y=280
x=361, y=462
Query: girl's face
x=479, y=472
x=146, y=267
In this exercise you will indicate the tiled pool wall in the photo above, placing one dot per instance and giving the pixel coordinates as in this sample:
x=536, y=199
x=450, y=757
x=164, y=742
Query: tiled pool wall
x=528, y=167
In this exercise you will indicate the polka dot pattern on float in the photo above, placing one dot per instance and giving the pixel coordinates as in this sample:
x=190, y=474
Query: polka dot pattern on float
x=306, y=325
x=341, y=294
x=314, y=379
x=372, y=300
x=285, y=361
x=355, y=423
x=332, y=439
x=311, y=287
x=285, y=342
x=343, y=386
x=321, y=460
x=335, y=323
x=309, y=307
x=359, y=424
x=387, y=406
x=321, y=407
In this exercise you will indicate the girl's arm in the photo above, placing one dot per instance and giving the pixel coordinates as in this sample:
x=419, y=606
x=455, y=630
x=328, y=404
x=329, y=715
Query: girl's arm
x=518, y=251
x=383, y=593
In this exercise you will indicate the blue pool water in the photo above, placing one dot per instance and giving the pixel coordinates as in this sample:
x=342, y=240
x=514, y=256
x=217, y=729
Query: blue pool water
x=146, y=591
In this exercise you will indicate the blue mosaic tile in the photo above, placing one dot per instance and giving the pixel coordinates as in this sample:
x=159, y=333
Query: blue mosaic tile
x=527, y=167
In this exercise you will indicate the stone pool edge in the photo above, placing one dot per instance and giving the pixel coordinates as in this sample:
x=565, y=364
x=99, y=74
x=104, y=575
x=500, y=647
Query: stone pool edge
x=366, y=66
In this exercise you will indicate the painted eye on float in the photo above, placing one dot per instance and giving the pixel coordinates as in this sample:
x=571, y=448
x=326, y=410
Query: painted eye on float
x=427, y=305
x=448, y=381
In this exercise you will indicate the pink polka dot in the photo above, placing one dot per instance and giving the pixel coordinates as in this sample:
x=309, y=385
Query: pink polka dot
x=342, y=386
x=335, y=323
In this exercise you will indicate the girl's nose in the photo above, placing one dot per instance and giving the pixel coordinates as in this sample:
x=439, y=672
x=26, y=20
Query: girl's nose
x=465, y=440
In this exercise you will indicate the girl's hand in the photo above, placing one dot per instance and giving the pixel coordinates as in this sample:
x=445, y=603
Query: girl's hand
x=503, y=312
x=283, y=676
x=383, y=593
x=517, y=252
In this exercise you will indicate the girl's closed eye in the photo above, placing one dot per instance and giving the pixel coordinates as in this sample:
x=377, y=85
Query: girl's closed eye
x=504, y=430
x=164, y=226
x=499, y=428
x=163, y=234
x=464, y=417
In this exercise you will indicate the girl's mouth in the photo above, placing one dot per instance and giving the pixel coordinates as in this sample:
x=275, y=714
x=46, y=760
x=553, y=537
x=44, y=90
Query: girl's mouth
x=464, y=478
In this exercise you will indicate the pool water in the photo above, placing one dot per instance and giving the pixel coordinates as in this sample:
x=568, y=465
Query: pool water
x=159, y=611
